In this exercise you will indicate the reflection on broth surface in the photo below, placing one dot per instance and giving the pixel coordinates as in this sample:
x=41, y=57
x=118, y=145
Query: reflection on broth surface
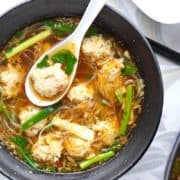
x=91, y=123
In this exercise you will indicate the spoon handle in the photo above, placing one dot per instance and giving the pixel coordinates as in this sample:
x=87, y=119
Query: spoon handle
x=93, y=9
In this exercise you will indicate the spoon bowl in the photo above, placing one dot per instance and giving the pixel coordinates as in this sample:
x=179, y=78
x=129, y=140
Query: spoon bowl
x=67, y=44
x=73, y=44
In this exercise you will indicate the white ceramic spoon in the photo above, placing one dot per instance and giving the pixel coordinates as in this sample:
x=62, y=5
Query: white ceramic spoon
x=72, y=43
x=163, y=11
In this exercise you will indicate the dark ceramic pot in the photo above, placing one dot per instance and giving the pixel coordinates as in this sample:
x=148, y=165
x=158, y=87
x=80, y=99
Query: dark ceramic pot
x=118, y=26
x=172, y=159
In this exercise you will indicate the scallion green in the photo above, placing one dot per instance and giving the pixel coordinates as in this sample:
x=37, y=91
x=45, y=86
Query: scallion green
x=27, y=43
x=119, y=96
x=127, y=110
x=129, y=69
x=38, y=117
x=96, y=159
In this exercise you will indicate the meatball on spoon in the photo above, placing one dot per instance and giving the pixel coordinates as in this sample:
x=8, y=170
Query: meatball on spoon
x=46, y=82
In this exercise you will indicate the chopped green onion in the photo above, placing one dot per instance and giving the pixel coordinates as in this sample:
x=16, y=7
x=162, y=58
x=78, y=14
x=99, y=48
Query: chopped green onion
x=4, y=109
x=67, y=58
x=50, y=169
x=48, y=127
x=89, y=76
x=21, y=144
x=129, y=69
x=60, y=28
x=57, y=27
x=27, y=157
x=115, y=147
x=43, y=63
x=9, y=114
x=38, y=117
x=119, y=96
x=18, y=34
x=20, y=141
x=9, y=50
x=27, y=43
x=92, y=31
x=96, y=159
x=127, y=110
x=66, y=28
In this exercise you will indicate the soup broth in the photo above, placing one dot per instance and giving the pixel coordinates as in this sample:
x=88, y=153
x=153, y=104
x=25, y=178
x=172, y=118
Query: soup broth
x=91, y=123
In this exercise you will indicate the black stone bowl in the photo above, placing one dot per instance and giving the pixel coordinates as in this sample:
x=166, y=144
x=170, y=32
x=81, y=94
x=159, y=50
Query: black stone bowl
x=111, y=22
x=175, y=154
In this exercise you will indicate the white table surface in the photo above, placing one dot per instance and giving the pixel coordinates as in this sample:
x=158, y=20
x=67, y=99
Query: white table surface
x=153, y=163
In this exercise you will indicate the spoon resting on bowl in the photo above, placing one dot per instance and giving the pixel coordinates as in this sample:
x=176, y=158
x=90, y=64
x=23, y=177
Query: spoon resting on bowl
x=46, y=85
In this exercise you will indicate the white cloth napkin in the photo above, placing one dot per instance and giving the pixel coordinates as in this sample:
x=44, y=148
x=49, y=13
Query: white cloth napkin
x=152, y=165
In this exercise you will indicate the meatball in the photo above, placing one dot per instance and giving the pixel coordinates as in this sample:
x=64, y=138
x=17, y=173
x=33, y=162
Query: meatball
x=11, y=79
x=81, y=92
x=107, y=130
x=96, y=47
x=27, y=112
x=75, y=146
x=48, y=148
x=49, y=81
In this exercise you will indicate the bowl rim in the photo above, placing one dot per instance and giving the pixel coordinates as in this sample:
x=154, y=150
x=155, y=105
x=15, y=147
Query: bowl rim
x=161, y=91
x=172, y=157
